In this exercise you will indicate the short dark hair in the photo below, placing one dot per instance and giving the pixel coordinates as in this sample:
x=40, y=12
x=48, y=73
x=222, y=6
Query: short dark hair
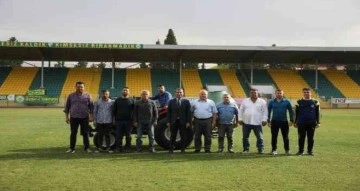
x=80, y=82
x=105, y=90
x=253, y=89
x=160, y=85
x=125, y=87
x=306, y=89
x=279, y=90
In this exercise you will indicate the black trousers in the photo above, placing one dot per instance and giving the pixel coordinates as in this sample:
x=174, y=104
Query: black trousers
x=104, y=131
x=84, y=128
x=174, y=128
x=123, y=128
x=284, y=127
x=202, y=127
x=306, y=129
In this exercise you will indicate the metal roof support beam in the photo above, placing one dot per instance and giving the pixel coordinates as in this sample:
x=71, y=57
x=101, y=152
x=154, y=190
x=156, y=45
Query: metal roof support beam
x=42, y=73
x=180, y=70
x=112, y=74
x=316, y=75
x=252, y=72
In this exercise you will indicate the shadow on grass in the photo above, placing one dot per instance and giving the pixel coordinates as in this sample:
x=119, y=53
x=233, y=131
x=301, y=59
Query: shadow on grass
x=58, y=153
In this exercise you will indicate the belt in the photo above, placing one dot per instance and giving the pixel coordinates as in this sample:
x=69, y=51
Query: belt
x=202, y=119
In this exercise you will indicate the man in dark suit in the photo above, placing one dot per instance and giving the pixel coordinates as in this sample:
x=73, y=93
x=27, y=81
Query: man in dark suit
x=178, y=118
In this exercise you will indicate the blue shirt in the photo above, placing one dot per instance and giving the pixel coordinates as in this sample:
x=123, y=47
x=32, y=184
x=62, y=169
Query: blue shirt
x=203, y=109
x=163, y=98
x=227, y=112
x=279, y=109
x=103, y=111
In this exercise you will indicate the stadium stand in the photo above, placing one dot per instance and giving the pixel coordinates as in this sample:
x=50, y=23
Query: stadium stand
x=90, y=76
x=54, y=79
x=354, y=75
x=4, y=72
x=230, y=80
x=243, y=81
x=210, y=77
x=343, y=82
x=325, y=88
x=260, y=77
x=191, y=82
x=291, y=82
x=119, y=81
x=168, y=78
x=138, y=80
x=18, y=80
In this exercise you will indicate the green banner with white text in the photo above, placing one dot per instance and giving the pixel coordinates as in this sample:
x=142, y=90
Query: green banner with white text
x=69, y=45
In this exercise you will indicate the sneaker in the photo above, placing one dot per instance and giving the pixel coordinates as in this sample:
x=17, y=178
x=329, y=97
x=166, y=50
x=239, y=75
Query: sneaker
x=274, y=153
x=88, y=150
x=97, y=151
x=287, y=152
x=152, y=150
x=70, y=151
x=245, y=152
x=231, y=151
x=300, y=153
x=110, y=151
x=311, y=153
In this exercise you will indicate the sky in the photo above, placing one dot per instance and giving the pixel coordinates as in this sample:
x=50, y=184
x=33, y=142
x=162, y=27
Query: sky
x=195, y=22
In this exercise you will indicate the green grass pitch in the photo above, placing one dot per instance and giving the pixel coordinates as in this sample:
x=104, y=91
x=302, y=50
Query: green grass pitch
x=33, y=144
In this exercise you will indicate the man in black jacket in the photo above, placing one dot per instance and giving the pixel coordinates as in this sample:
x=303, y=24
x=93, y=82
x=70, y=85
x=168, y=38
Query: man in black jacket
x=123, y=113
x=307, y=118
x=178, y=119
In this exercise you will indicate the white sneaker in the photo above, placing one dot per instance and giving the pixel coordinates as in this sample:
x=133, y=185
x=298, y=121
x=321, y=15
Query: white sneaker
x=70, y=151
x=274, y=152
x=245, y=152
x=88, y=151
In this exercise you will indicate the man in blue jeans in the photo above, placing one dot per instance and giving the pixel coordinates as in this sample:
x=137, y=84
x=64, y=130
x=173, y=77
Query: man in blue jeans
x=253, y=114
x=123, y=113
x=145, y=119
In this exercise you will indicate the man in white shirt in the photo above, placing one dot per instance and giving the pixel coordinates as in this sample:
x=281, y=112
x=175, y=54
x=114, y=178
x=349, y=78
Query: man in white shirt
x=253, y=114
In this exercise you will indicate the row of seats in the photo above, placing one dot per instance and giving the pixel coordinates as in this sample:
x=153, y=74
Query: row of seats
x=343, y=82
x=90, y=77
x=138, y=80
x=18, y=80
x=61, y=81
x=325, y=88
x=290, y=81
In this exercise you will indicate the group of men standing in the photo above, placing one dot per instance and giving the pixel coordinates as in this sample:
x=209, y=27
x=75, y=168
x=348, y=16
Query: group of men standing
x=202, y=115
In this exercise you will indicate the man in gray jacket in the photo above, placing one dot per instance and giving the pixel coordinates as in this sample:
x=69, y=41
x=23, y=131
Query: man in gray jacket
x=145, y=118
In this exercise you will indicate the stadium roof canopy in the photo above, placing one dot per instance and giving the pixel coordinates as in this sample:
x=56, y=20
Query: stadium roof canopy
x=54, y=51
